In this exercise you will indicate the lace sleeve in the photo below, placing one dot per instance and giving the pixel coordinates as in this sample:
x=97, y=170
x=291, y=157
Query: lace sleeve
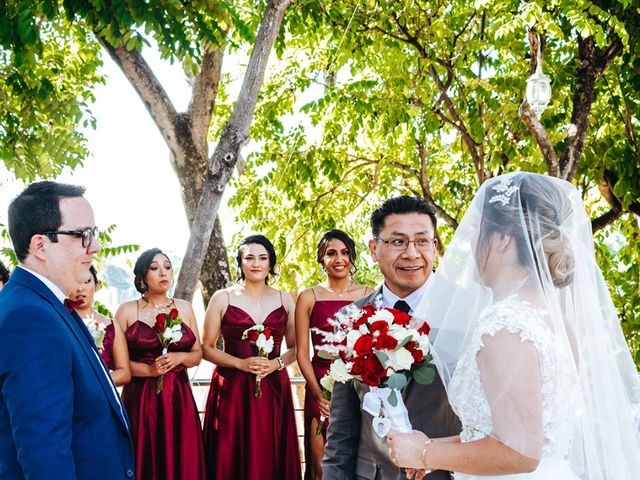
x=510, y=344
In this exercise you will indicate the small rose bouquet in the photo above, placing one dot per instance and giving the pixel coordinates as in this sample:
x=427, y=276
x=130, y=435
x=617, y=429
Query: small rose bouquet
x=168, y=328
x=97, y=330
x=383, y=348
x=326, y=383
x=261, y=337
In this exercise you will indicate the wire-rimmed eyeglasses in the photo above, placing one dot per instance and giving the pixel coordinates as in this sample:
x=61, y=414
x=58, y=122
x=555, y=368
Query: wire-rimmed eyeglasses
x=400, y=244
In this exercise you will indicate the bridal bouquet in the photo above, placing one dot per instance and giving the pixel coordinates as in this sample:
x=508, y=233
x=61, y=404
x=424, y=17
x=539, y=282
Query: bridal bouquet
x=168, y=328
x=261, y=337
x=383, y=348
x=96, y=329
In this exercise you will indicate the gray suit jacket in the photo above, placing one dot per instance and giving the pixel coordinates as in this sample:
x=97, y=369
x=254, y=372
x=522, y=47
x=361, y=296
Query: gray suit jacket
x=353, y=450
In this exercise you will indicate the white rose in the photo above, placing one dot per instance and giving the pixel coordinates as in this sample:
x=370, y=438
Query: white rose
x=264, y=344
x=340, y=371
x=423, y=343
x=382, y=314
x=327, y=383
x=400, y=359
x=399, y=333
x=363, y=329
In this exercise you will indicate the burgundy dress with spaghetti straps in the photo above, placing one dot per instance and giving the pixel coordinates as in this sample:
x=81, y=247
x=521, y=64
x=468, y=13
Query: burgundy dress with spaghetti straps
x=249, y=438
x=165, y=427
x=322, y=311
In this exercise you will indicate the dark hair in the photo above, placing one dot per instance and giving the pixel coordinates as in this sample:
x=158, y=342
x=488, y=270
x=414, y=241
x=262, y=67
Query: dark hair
x=260, y=240
x=4, y=273
x=399, y=206
x=538, y=208
x=141, y=268
x=94, y=274
x=37, y=210
x=344, y=238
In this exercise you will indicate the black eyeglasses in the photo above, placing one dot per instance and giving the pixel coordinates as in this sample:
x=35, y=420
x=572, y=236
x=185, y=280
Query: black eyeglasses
x=87, y=235
x=400, y=244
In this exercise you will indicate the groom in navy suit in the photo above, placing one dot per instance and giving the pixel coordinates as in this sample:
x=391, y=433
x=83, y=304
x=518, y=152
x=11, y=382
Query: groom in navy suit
x=60, y=415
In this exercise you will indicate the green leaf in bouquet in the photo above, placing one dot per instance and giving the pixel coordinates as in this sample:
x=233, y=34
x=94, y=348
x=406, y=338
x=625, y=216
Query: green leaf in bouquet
x=397, y=381
x=424, y=375
x=326, y=355
x=383, y=357
x=403, y=342
x=393, y=398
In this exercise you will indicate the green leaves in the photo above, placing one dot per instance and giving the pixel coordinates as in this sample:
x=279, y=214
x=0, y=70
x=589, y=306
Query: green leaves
x=425, y=374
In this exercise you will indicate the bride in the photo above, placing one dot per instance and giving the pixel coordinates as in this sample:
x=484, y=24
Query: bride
x=528, y=344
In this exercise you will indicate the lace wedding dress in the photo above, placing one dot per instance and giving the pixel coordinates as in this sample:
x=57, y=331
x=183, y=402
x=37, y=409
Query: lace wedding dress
x=560, y=405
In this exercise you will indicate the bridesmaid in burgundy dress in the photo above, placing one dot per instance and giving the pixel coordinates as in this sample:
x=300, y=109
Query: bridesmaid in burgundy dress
x=114, y=346
x=336, y=253
x=165, y=426
x=246, y=437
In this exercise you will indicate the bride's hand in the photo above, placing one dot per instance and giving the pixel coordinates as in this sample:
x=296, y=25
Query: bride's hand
x=405, y=449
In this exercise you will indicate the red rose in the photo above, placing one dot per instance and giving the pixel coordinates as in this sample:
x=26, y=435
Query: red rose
x=267, y=333
x=361, y=321
x=411, y=346
x=173, y=314
x=417, y=355
x=371, y=379
x=372, y=364
x=424, y=329
x=400, y=317
x=253, y=335
x=358, y=366
x=386, y=342
x=379, y=326
x=161, y=322
x=363, y=345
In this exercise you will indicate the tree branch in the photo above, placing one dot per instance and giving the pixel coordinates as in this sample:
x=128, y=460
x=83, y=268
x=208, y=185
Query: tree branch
x=224, y=158
x=529, y=118
x=588, y=70
x=203, y=96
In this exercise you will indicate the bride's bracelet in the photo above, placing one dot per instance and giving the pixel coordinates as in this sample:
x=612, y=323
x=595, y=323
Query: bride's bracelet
x=427, y=442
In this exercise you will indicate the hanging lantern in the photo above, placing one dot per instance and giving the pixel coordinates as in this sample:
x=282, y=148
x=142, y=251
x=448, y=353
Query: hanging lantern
x=538, y=89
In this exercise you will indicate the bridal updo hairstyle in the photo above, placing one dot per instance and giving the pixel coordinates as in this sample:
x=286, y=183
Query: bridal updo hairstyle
x=344, y=238
x=141, y=268
x=543, y=207
x=260, y=240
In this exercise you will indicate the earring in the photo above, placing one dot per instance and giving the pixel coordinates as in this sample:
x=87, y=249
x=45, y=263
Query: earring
x=143, y=286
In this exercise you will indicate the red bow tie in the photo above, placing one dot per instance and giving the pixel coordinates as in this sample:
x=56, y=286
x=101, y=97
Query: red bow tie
x=71, y=305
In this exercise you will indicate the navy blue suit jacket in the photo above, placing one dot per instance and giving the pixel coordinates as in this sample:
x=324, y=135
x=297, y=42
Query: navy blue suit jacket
x=59, y=418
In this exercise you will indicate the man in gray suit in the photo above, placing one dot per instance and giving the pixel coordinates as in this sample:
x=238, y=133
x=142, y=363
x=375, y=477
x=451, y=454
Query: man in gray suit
x=404, y=246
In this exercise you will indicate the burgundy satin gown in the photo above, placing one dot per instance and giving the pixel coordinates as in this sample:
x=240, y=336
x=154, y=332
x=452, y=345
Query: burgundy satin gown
x=322, y=311
x=107, y=345
x=165, y=427
x=249, y=438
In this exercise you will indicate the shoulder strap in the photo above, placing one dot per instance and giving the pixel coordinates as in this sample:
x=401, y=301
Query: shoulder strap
x=313, y=290
x=281, y=302
x=137, y=309
x=228, y=297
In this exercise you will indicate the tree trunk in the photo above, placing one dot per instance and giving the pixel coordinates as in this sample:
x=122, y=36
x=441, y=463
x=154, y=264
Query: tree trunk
x=227, y=152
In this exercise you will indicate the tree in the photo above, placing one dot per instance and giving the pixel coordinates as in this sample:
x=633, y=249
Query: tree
x=195, y=33
x=426, y=98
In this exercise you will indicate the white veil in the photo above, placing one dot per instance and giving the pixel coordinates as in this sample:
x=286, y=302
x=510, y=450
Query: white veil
x=553, y=267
